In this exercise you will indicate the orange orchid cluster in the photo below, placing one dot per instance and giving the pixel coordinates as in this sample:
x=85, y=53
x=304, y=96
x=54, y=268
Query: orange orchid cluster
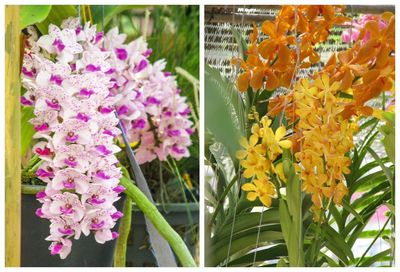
x=274, y=60
x=367, y=68
x=321, y=107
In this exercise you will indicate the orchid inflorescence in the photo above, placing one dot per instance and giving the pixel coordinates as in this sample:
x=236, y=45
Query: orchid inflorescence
x=322, y=110
x=77, y=79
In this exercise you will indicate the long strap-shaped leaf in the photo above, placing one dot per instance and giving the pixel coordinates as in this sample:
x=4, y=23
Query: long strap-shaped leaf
x=161, y=249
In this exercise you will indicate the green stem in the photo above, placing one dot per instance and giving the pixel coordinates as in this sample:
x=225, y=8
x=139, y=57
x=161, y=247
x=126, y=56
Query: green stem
x=183, y=186
x=316, y=243
x=152, y=213
x=32, y=189
x=124, y=229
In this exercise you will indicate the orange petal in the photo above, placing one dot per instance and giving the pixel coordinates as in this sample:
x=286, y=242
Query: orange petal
x=358, y=70
x=257, y=79
x=365, y=110
x=272, y=81
x=345, y=56
x=243, y=82
x=254, y=34
x=371, y=76
x=253, y=60
x=373, y=28
x=347, y=80
x=268, y=28
x=267, y=48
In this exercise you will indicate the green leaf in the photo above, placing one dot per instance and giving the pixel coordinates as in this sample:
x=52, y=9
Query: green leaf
x=271, y=253
x=294, y=227
x=219, y=114
x=241, y=43
x=351, y=210
x=245, y=222
x=336, y=244
x=57, y=14
x=285, y=220
x=345, y=95
x=386, y=170
x=370, y=234
x=330, y=261
x=27, y=130
x=110, y=11
x=389, y=142
x=376, y=258
x=282, y=263
x=32, y=14
x=390, y=117
x=217, y=255
x=224, y=161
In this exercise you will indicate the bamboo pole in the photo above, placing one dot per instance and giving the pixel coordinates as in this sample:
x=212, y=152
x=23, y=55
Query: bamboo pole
x=12, y=140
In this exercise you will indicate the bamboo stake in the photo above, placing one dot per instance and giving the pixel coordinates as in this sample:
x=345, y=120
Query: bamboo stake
x=12, y=139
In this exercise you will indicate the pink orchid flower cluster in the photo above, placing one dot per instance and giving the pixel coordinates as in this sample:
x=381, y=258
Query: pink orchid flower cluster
x=353, y=32
x=77, y=80
x=66, y=77
x=151, y=108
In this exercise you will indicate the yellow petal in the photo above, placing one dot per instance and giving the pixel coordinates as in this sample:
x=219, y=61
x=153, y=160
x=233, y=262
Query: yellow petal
x=285, y=144
x=241, y=154
x=266, y=200
x=279, y=171
x=251, y=196
x=253, y=140
x=325, y=79
x=248, y=187
x=248, y=173
x=280, y=132
x=260, y=184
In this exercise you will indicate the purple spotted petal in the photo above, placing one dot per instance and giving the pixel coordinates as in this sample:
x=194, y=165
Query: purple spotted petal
x=96, y=226
x=42, y=127
x=83, y=117
x=119, y=189
x=67, y=231
x=86, y=92
x=103, y=150
x=102, y=175
x=25, y=101
x=56, y=249
x=148, y=52
x=142, y=65
x=139, y=124
x=44, y=174
x=92, y=68
x=56, y=79
x=117, y=215
x=121, y=53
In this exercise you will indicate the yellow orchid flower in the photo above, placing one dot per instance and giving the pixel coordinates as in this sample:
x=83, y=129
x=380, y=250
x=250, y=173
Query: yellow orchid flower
x=263, y=189
x=248, y=145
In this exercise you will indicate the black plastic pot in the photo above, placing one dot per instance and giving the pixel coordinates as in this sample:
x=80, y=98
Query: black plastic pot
x=34, y=249
x=139, y=253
